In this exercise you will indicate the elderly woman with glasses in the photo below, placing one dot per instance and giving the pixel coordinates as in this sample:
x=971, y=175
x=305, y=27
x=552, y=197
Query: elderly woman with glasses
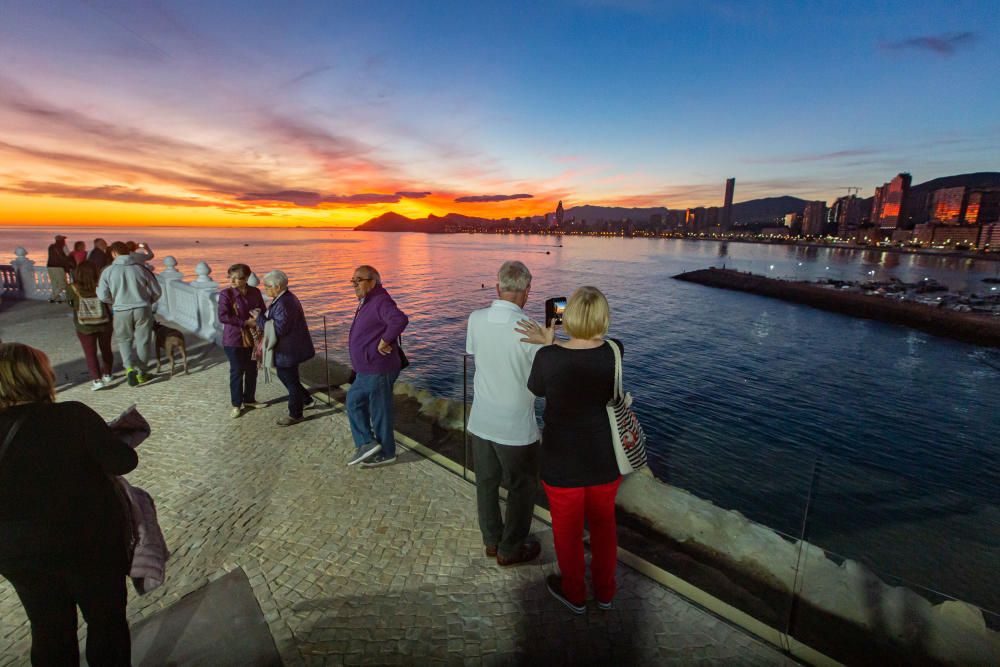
x=63, y=535
x=287, y=335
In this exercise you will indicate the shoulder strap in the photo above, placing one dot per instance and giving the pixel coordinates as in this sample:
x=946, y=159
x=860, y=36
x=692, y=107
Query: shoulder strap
x=10, y=435
x=617, y=389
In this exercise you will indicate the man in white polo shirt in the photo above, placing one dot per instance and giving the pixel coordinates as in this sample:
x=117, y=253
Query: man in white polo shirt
x=502, y=425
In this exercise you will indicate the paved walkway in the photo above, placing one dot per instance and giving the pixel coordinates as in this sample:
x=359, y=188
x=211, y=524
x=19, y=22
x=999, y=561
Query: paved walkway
x=350, y=566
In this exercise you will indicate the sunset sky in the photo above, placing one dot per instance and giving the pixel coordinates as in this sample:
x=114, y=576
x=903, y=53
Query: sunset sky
x=329, y=113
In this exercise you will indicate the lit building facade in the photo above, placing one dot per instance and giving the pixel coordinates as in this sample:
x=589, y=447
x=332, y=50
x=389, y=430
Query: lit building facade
x=948, y=206
x=894, y=196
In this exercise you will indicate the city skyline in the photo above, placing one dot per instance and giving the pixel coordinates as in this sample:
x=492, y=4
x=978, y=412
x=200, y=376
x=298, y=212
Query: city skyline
x=330, y=114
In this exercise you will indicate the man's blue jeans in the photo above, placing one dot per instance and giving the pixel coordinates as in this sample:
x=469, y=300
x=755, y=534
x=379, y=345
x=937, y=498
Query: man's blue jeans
x=369, y=406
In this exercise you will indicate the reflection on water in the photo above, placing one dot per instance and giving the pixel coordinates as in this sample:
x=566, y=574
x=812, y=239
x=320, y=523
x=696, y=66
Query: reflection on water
x=738, y=393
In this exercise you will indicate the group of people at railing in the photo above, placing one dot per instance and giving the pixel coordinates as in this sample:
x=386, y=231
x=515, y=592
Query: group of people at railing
x=53, y=571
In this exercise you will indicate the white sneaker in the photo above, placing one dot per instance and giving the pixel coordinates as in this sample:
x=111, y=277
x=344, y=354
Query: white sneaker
x=235, y=412
x=107, y=379
x=96, y=384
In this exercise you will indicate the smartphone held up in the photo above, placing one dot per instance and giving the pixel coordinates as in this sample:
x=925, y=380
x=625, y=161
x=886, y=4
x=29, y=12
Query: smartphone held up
x=554, y=309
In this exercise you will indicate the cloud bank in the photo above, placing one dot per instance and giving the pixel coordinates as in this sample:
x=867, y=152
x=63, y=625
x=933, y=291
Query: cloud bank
x=491, y=198
x=941, y=45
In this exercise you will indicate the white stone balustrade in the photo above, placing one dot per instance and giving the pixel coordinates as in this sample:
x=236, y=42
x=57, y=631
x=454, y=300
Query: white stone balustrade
x=193, y=305
x=34, y=279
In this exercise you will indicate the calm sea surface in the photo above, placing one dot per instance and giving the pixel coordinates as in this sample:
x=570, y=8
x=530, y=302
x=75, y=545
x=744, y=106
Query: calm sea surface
x=749, y=402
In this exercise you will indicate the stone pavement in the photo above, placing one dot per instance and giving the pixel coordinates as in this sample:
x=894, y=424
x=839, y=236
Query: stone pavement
x=350, y=566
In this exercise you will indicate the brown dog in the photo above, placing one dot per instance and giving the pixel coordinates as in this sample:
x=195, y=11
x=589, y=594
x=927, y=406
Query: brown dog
x=170, y=340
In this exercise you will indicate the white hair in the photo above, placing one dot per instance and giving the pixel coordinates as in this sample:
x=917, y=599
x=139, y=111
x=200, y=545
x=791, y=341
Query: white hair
x=513, y=276
x=276, y=278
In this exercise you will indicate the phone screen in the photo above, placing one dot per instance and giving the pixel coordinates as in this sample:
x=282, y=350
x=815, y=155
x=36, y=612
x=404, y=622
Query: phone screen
x=554, y=309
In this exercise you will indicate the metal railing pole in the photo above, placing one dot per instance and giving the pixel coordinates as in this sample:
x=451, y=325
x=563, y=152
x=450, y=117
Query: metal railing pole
x=326, y=360
x=798, y=581
x=465, y=417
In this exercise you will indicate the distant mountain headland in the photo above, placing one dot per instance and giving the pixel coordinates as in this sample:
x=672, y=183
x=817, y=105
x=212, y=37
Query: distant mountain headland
x=769, y=207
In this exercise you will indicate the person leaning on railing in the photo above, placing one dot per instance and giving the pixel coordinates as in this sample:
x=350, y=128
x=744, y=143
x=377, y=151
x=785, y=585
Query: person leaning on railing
x=239, y=333
x=63, y=535
x=579, y=471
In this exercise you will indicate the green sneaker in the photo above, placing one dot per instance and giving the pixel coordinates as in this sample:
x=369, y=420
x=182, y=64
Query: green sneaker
x=132, y=375
x=143, y=377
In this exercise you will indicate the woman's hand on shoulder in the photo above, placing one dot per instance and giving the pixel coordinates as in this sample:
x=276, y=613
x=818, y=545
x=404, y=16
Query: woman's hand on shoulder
x=535, y=333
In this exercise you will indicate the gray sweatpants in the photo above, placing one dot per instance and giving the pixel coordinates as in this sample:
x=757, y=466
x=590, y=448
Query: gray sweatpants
x=134, y=326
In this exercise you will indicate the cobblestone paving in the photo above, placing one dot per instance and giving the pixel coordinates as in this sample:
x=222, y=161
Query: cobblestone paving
x=350, y=566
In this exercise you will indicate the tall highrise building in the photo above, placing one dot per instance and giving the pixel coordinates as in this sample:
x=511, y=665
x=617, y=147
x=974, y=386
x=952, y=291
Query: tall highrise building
x=846, y=213
x=559, y=214
x=726, y=219
x=814, y=218
x=892, y=211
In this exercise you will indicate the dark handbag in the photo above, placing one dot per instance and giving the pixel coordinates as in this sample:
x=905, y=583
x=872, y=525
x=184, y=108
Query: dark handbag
x=403, y=361
x=247, y=334
x=627, y=436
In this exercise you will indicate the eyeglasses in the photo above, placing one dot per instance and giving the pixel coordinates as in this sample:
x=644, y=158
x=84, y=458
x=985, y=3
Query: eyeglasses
x=355, y=281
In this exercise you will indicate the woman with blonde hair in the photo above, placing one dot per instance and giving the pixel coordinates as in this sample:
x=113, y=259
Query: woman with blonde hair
x=63, y=531
x=579, y=471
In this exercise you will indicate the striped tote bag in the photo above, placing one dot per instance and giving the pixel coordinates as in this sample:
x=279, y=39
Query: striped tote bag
x=627, y=436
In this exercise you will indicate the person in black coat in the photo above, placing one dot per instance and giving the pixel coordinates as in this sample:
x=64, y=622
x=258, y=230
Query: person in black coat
x=294, y=345
x=64, y=536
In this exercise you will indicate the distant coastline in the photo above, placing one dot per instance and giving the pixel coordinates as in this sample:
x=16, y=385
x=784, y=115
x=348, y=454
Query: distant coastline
x=905, y=250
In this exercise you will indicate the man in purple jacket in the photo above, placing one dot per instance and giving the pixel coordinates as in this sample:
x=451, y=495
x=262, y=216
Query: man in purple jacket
x=374, y=348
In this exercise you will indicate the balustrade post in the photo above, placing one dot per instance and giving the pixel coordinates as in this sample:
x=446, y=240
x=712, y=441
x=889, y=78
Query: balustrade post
x=209, y=326
x=166, y=277
x=25, y=269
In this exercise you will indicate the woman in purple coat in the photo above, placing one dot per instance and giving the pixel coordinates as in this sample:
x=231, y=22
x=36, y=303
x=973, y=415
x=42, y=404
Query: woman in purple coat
x=293, y=345
x=236, y=305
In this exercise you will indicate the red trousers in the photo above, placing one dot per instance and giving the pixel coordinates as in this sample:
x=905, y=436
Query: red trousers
x=90, y=343
x=568, y=507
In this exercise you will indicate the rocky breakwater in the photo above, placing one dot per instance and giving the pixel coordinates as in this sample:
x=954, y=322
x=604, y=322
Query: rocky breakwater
x=971, y=327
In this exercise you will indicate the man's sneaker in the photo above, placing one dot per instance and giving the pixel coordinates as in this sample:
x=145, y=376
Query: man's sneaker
x=96, y=384
x=365, y=452
x=378, y=461
x=288, y=421
x=606, y=606
x=107, y=379
x=142, y=377
x=529, y=551
x=132, y=375
x=554, y=583
x=235, y=412
x=254, y=404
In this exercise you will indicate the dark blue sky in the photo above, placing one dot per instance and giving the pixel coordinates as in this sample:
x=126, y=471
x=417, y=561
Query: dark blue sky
x=590, y=101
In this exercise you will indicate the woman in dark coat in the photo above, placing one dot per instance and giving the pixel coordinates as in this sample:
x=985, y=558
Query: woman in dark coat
x=236, y=303
x=294, y=344
x=63, y=535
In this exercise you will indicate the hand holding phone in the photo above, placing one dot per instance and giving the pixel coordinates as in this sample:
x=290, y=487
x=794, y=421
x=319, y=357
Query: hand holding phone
x=554, y=309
